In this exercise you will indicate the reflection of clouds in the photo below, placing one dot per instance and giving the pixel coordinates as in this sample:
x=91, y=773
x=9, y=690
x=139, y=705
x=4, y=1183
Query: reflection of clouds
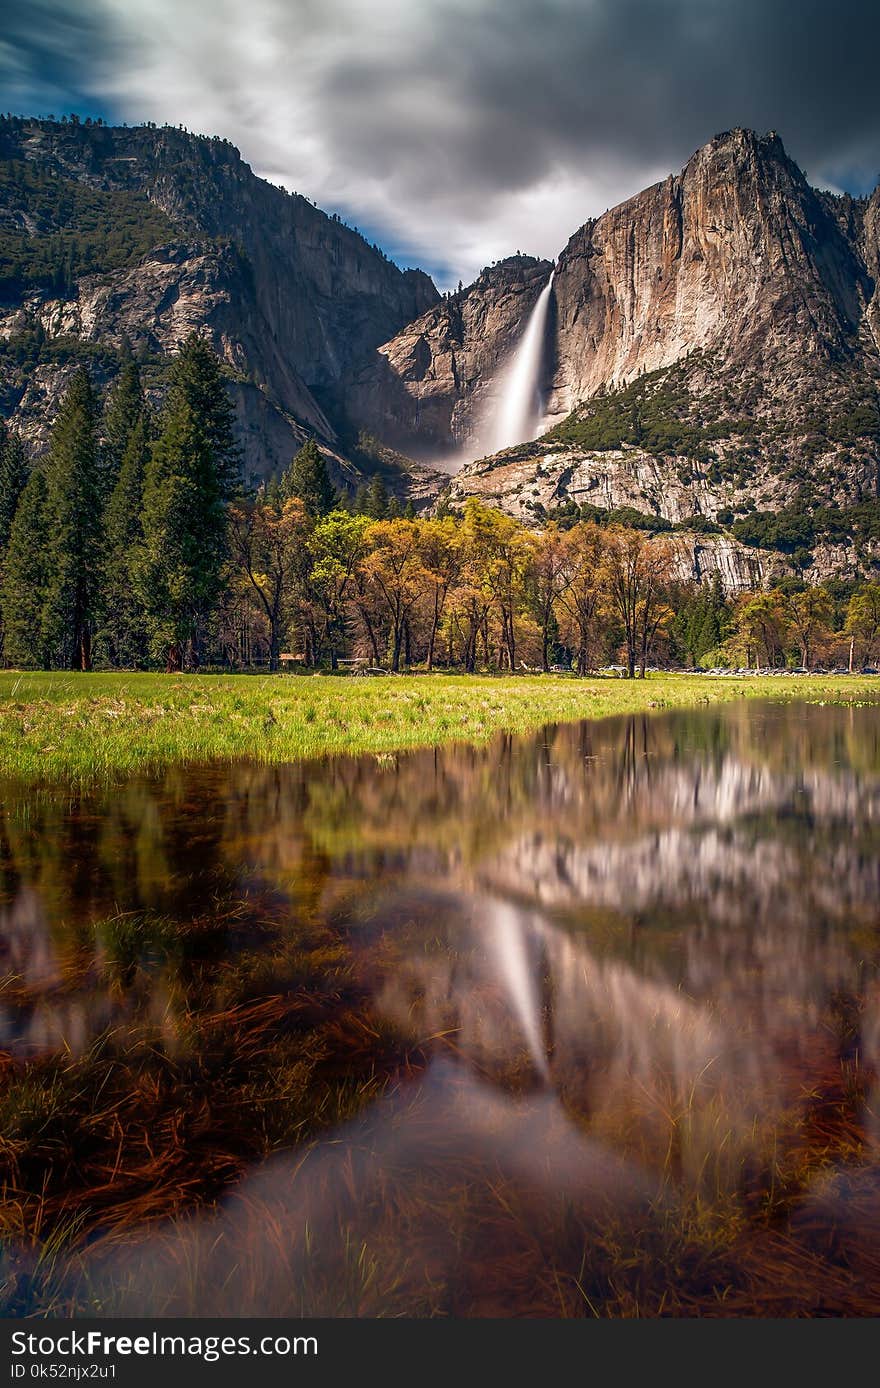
x=396, y=1185
x=26, y=947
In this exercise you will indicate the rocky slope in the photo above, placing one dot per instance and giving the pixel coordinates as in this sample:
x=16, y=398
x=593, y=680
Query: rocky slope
x=159, y=232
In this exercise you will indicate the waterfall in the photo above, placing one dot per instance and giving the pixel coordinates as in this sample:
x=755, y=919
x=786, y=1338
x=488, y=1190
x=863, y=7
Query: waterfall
x=519, y=407
x=510, y=939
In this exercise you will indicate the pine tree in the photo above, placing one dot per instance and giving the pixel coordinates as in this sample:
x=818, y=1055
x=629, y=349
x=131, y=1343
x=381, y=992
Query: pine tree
x=124, y=626
x=74, y=525
x=122, y=413
x=190, y=476
x=307, y=478
x=376, y=506
x=126, y=448
x=23, y=594
x=13, y=478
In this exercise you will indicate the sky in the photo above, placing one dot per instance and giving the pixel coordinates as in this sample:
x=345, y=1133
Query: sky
x=455, y=132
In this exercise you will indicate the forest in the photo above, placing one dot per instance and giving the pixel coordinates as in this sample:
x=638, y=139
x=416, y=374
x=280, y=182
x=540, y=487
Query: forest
x=132, y=543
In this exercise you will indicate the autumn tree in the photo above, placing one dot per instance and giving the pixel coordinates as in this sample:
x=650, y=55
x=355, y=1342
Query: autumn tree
x=580, y=599
x=393, y=569
x=548, y=573
x=337, y=546
x=496, y=546
x=761, y=627
x=440, y=553
x=472, y=599
x=809, y=612
x=863, y=622
x=269, y=537
x=637, y=569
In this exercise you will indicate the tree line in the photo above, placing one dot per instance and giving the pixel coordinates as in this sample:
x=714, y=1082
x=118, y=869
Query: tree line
x=132, y=543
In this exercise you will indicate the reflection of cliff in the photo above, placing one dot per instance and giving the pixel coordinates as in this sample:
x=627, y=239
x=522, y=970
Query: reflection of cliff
x=723, y=873
x=616, y=972
x=458, y=804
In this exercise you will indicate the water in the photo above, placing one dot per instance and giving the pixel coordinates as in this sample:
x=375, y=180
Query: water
x=518, y=411
x=581, y=1022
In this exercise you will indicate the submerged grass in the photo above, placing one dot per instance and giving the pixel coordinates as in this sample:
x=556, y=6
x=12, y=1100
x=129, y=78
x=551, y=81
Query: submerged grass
x=97, y=727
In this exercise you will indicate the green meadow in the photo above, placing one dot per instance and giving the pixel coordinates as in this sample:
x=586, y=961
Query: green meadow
x=88, y=727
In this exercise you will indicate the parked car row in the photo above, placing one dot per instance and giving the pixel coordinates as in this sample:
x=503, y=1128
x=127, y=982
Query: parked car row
x=798, y=670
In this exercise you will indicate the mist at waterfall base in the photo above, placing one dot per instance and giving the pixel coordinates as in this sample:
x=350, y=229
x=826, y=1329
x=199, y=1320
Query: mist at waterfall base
x=514, y=411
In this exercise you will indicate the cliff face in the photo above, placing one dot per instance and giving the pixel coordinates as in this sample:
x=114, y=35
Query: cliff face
x=736, y=251
x=736, y=257
x=713, y=344
x=290, y=296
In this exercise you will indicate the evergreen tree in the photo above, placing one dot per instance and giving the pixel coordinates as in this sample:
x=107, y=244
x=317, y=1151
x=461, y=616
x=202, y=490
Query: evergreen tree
x=191, y=475
x=124, y=627
x=23, y=592
x=307, y=478
x=122, y=414
x=376, y=504
x=126, y=430
x=74, y=529
x=13, y=477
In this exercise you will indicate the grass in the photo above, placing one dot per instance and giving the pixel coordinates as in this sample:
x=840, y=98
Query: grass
x=218, y=1064
x=99, y=727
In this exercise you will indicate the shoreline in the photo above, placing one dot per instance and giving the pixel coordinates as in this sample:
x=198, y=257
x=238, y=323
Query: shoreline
x=84, y=728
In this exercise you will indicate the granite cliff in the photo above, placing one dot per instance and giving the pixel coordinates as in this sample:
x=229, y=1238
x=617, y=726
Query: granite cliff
x=158, y=232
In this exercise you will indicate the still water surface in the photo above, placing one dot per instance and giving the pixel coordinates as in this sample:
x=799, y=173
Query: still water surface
x=585, y=1023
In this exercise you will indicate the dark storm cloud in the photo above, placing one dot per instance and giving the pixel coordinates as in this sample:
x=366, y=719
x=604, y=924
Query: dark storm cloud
x=461, y=129
x=48, y=53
